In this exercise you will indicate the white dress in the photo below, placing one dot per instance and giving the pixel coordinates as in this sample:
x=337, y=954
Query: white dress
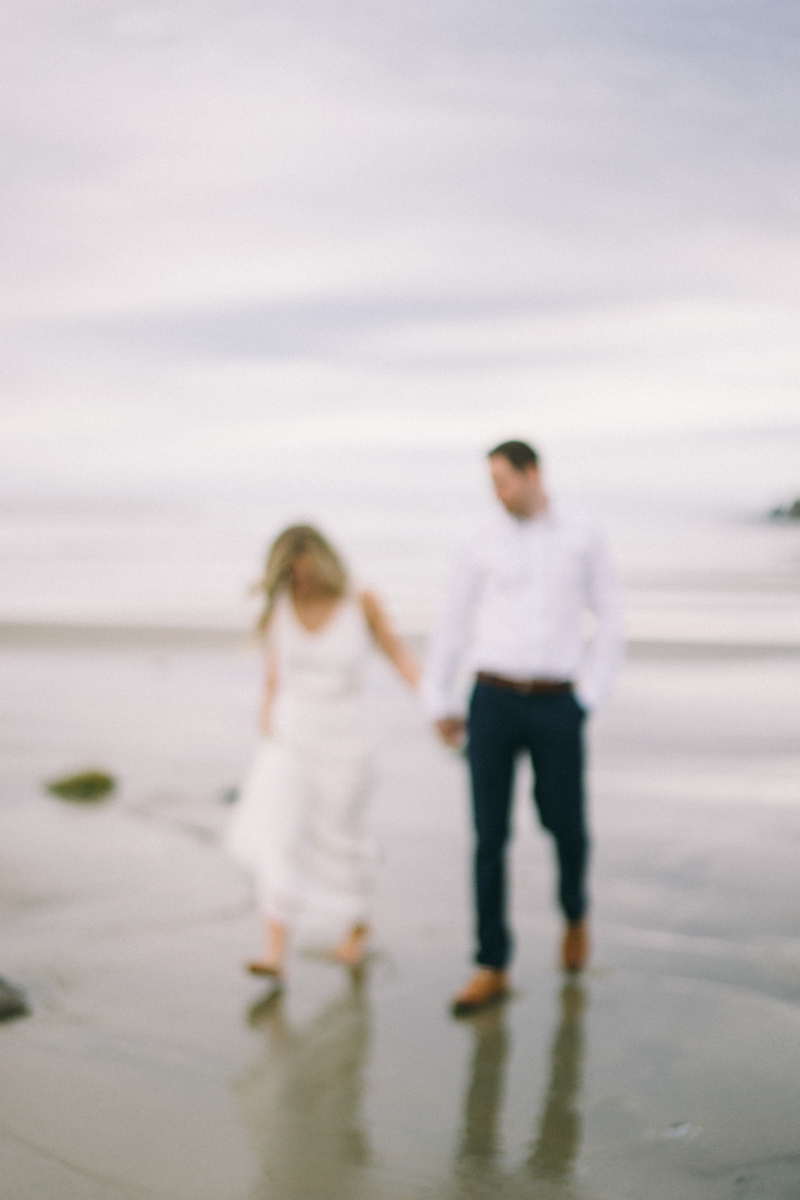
x=300, y=822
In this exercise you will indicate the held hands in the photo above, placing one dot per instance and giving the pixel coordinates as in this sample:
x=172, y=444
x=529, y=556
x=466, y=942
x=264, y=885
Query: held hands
x=452, y=731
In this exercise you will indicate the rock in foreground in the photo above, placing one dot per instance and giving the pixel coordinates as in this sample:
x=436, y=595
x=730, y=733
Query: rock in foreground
x=12, y=1002
x=87, y=786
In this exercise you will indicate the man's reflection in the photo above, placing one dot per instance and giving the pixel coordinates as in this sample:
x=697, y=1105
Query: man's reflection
x=302, y=1103
x=483, y=1102
x=557, y=1141
x=559, y=1138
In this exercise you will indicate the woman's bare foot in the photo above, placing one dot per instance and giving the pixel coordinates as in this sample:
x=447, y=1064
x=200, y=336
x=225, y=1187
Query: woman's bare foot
x=271, y=962
x=257, y=966
x=351, y=950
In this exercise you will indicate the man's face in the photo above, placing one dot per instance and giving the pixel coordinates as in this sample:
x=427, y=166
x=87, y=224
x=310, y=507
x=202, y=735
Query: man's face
x=517, y=491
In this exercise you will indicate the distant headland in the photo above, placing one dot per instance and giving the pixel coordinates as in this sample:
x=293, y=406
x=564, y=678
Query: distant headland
x=790, y=513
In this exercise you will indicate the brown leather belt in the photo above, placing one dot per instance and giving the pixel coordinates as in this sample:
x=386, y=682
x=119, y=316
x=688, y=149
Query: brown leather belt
x=525, y=687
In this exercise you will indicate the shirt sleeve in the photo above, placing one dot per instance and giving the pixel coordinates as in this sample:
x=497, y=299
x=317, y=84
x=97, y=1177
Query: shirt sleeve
x=604, y=601
x=450, y=636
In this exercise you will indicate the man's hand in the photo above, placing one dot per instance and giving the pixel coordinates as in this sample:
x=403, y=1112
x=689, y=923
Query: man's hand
x=451, y=730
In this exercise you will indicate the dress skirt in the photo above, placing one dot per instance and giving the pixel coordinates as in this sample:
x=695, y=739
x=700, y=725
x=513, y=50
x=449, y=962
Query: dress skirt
x=300, y=828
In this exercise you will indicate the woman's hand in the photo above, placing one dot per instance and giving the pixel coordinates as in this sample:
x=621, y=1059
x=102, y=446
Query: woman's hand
x=452, y=731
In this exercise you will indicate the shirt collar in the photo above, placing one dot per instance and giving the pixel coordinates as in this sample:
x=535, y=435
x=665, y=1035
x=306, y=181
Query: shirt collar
x=549, y=517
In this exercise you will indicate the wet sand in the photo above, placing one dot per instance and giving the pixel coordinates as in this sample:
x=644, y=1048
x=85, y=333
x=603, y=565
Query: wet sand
x=152, y=1066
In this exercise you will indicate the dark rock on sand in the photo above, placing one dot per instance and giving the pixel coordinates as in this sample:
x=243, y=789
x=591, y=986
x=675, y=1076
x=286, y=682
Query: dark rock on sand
x=12, y=1002
x=86, y=786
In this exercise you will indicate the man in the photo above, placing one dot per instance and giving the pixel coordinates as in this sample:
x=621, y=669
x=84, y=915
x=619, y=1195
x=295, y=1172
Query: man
x=518, y=599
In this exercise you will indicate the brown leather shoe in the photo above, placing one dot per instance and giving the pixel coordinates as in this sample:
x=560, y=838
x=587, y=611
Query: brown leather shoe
x=575, y=946
x=486, y=987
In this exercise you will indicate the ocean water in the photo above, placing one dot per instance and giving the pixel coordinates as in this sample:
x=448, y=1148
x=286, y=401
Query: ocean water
x=688, y=523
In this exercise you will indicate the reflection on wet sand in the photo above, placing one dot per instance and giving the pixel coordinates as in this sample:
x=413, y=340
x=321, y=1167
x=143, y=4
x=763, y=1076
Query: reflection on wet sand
x=301, y=1104
x=556, y=1143
x=483, y=1101
x=559, y=1137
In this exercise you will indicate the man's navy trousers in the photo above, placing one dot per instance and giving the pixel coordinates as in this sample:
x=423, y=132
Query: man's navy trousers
x=503, y=724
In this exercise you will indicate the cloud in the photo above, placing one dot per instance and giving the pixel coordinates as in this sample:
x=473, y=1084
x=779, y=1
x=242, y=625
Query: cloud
x=218, y=212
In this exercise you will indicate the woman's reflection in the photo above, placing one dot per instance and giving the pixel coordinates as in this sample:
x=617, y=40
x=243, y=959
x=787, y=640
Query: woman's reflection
x=302, y=1103
x=557, y=1141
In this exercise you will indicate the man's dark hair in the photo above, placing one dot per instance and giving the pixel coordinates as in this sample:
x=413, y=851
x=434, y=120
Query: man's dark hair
x=519, y=454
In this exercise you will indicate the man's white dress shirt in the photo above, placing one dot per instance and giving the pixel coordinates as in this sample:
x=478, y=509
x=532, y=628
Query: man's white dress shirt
x=517, y=602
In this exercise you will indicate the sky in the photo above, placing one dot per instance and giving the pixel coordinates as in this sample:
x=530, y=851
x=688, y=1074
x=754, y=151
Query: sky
x=238, y=233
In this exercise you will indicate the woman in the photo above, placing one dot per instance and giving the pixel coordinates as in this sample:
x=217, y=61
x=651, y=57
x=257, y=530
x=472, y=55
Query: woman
x=300, y=824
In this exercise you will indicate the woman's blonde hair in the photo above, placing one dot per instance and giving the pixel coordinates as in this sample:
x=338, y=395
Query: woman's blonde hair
x=288, y=546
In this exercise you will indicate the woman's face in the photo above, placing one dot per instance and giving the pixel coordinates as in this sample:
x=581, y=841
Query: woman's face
x=304, y=575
